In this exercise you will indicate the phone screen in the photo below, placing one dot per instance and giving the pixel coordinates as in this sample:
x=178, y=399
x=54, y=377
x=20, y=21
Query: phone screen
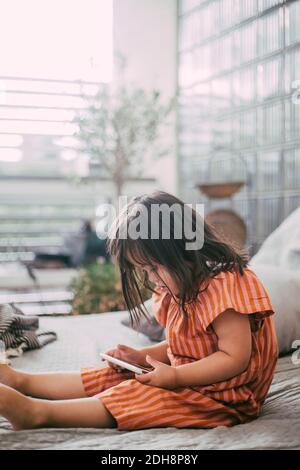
x=124, y=364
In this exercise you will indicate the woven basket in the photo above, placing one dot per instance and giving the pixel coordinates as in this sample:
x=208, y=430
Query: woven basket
x=220, y=190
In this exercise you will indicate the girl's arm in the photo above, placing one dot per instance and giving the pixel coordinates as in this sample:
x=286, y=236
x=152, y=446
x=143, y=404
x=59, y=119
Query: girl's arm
x=232, y=358
x=126, y=353
x=157, y=351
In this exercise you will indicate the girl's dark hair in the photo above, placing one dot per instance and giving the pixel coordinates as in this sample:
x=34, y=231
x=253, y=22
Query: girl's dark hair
x=191, y=269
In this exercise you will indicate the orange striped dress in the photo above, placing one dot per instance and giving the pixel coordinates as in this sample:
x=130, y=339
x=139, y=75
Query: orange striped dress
x=237, y=400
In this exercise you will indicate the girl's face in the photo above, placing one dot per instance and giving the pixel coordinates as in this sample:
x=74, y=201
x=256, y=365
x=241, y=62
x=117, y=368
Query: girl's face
x=160, y=277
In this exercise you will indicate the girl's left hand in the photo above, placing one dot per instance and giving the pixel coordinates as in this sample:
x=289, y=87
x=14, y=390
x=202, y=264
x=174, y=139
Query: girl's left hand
x=163, y=375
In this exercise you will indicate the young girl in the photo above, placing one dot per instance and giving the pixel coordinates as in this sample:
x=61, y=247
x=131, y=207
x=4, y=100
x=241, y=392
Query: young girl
x=215, y=367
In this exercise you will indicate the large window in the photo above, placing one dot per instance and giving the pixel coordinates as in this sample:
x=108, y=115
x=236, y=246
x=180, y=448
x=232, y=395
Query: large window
x=238, y=60
x=51, y=51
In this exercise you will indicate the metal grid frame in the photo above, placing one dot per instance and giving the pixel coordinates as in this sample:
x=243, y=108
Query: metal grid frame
x=223, y=46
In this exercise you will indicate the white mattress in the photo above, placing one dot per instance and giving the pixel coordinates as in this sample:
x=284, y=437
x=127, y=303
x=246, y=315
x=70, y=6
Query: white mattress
x=79, y=341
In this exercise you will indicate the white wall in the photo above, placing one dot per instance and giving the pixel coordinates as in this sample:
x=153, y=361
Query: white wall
x=145, y=33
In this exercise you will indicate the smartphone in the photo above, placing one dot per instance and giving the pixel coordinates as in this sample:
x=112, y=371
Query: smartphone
x=136, y=368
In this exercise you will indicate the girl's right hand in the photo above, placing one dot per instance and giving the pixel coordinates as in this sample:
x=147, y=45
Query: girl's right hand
x=128, y=354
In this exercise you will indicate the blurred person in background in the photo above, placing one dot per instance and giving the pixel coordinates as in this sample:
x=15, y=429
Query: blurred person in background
x=78, y=249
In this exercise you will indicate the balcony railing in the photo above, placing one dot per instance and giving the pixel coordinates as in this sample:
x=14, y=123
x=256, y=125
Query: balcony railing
x=38, y=150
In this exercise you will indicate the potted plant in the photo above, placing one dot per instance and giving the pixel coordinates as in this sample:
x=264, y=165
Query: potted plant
x=118, y=126
x=97, y=289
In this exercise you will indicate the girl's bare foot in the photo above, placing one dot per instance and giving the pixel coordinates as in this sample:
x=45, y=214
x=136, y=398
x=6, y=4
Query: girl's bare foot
x=22, y=412
x=10, y=377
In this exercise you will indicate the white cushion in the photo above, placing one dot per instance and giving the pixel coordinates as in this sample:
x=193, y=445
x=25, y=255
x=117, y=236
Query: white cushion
x=282, y=247
x=277, y=264
x=283, y=287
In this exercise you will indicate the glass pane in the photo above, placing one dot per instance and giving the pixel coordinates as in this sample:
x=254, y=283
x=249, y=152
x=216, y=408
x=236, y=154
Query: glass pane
x=248, y=128
x=287, y=121
x=271, y=32
x=190, y=32
x=221, y=93
x=293, y=63
x=209, y=19
x=223, y=167
x=236, y=131
x=293, y=12
x=269, y=171
x=187, y=69
x=270, y=130
x=248, y=8
x=268, y=216
x=295, y=121
x=222, y=134
x=269, y=78
x=187, y=5
x=265, y=4
x=224, y=59
x=292, y=169
x=204, y=62
x=228, y=13
x=184, y=34
x=244, y=86
x=248, y=46
x=198, y=25
x=250, y=161
x=291, y=203
x=292, y=120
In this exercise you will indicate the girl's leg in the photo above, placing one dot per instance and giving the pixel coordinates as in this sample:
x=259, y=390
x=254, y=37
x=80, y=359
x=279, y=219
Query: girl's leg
x=27, y=413
x=50, y=385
